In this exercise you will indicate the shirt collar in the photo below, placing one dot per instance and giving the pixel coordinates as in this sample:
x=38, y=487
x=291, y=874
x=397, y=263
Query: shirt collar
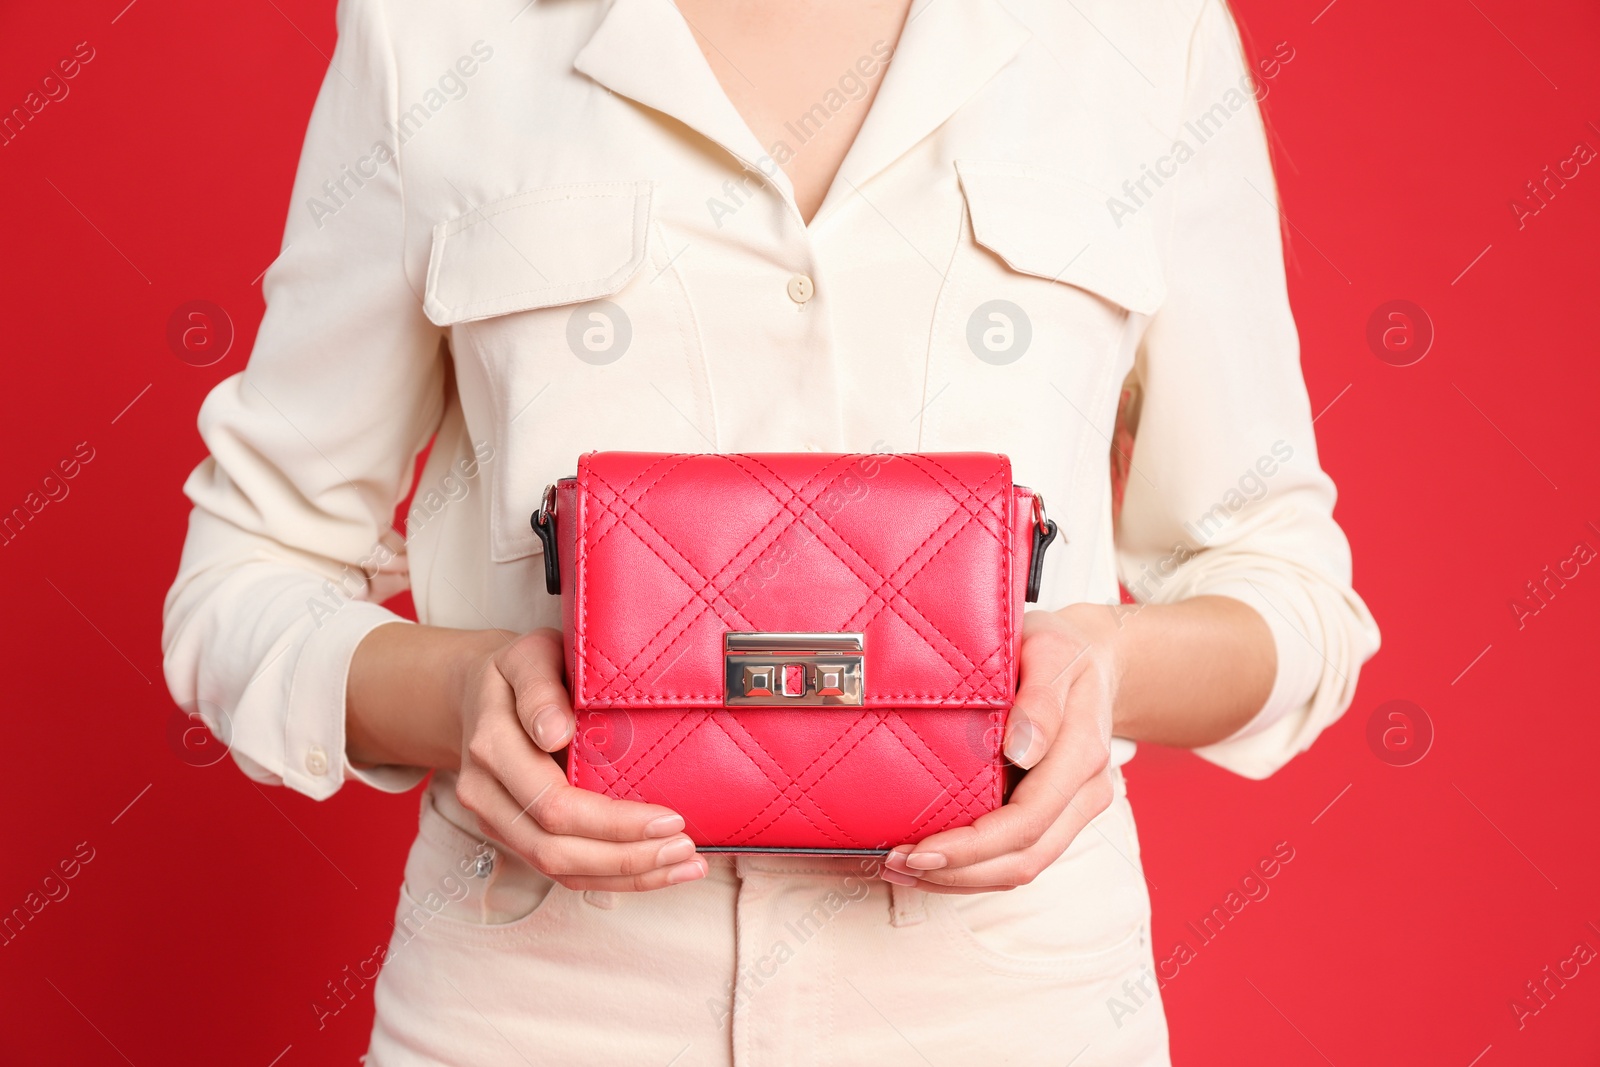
x=644, y=50
x=948, y=50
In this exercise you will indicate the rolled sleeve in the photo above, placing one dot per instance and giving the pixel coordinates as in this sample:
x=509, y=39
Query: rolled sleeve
x=1227, y=496
x=311, y=448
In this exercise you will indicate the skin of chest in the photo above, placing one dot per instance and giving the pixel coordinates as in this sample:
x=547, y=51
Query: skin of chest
x=778, y=61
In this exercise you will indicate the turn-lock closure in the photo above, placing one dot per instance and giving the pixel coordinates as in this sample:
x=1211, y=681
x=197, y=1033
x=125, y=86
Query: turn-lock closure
x=793, y=669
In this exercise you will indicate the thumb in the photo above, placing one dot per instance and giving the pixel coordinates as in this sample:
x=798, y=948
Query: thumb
x=533, y=665
x=1048, y=655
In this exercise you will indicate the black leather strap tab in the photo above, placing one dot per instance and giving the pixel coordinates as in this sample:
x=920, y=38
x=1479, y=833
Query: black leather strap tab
x=544, y=525
x=1043, y=533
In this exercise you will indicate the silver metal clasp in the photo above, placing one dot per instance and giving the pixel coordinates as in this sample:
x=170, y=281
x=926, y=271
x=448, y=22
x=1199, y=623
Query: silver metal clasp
x=793, y=669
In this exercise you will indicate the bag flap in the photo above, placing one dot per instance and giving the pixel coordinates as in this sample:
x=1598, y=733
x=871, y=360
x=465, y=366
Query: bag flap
x=558, y=245
x=1050, y=226
x=669, y=553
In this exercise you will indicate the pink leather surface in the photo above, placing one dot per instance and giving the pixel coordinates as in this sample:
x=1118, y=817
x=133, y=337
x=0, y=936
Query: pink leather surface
x=926, y=555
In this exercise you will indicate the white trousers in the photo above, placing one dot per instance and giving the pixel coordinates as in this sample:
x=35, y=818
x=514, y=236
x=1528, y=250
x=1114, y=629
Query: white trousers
x=767, y=962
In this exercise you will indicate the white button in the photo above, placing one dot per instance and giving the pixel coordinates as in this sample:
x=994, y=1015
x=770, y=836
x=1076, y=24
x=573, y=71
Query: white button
x=801, y=288
x=317, y=761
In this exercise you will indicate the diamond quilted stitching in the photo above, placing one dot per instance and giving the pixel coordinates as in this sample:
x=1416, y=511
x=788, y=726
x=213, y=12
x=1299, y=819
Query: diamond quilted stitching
x=903, y=606
x=944, y=535
x=614, y=584
x=802, y=508
x=687, y=616
x=796, y=506
x=857, y=772
x=792, y=792
x=772, y=786
x=848, y=766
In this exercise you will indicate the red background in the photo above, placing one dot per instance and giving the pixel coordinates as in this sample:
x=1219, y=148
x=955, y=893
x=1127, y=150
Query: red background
x=1418, y=903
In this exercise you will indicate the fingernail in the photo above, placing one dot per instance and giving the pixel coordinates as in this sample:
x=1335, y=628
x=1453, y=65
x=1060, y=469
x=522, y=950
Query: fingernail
x=549, y=728
x=687, y=872
x=896, y=877
x=665, y=826
x=926, y=861
x=1019, y=742
x=674, y=852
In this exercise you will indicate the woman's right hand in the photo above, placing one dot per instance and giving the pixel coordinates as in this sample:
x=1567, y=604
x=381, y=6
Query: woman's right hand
x=514, y=712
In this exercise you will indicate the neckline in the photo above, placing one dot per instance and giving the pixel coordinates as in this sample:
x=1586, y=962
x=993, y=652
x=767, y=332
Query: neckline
x=786, y=184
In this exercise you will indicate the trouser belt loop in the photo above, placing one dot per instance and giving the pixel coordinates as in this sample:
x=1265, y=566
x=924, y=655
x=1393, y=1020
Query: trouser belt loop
x=907, y=905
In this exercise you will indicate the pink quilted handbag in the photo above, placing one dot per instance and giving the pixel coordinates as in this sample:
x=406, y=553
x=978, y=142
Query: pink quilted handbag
x=796, y=652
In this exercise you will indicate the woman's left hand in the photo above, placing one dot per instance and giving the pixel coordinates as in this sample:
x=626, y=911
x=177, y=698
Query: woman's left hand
x=1059, y=730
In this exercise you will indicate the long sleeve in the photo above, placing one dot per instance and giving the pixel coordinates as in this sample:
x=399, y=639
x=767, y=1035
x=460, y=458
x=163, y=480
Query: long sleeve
x=1226, y=496
x=311, y=448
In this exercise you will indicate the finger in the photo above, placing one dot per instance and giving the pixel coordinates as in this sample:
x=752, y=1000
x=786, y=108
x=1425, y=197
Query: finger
x=962, y=890
x=1032, y=723
x=564, y=856
x=533, y=665
x=502, y=748
x=893, y=870
x=897, y=878
x=691, y=871
x=1076, y=754
x=634, y=864
x=570, y=857
x=1021, y=867
x=1015, y=827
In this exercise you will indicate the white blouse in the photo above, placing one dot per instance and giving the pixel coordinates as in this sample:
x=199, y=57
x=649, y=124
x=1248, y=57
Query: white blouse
x=528, y=234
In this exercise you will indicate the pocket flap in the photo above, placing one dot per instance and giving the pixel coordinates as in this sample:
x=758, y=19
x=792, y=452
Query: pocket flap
x=1050, y=226
x=558, y=245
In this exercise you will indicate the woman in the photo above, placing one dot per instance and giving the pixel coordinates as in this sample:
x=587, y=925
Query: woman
x=523, y=232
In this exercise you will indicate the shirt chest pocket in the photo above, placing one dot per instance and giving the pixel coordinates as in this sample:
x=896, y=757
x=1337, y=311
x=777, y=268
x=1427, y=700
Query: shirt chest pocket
x=570, y=332
x=1041, y=225
x=1037, y=322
